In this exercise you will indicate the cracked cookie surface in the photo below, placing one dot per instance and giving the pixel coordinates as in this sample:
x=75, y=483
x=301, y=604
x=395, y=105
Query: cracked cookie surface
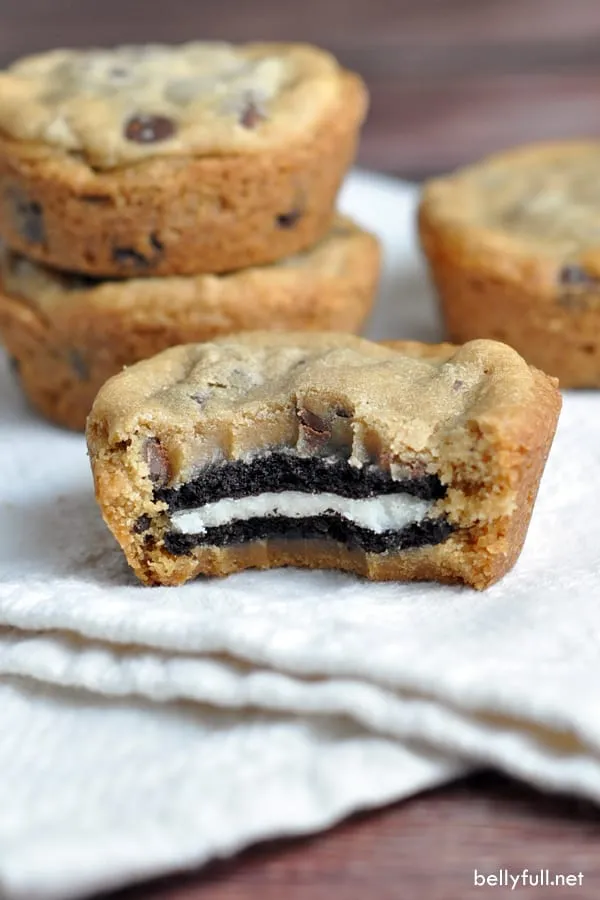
x=120, y=105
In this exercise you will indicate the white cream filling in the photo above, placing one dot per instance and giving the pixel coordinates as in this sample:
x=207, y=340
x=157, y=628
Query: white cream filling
x=384, y=512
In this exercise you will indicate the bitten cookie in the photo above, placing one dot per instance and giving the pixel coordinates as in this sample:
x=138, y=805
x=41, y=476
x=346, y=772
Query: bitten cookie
x=69, y=333
x=513, y=245
x=394, y=462
x=158, y=160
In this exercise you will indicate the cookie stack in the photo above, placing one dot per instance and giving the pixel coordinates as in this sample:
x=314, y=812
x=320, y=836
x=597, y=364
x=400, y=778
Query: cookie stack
x=153, y=196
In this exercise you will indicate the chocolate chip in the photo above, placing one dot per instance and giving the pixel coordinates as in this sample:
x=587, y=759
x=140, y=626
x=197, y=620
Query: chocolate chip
x=316, y=430
x=127, y=256
x=156, y=244
x=148, y=129
x=79, y=364
x=289, y=219
x=200, y=398
x=157, y=461
x=29, y=217
x=312, y=420
x=149, y=542
x=458, y=385
x=100, y=199
x=579, y=288
x=573, y=275
x=75, y=281
x=342, y=413
x=251, y=115
x=142, y=524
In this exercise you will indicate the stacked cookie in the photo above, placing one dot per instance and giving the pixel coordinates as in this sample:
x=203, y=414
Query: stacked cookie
x=154, y=196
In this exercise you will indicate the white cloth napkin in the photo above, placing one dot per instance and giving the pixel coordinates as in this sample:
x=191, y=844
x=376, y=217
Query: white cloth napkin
x=144, y=730
x=95, y=794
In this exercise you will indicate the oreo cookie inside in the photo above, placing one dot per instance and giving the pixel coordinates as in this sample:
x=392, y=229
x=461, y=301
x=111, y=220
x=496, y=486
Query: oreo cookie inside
x=285, y=471
x=332, y=528
x=284, y=496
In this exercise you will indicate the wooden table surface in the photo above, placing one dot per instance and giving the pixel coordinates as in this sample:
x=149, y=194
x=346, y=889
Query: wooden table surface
x=426, y=848
x=450, y=80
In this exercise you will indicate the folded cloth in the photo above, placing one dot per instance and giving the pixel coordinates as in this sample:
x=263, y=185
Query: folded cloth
x=551, y=743
x=94, y=794
x=173, y=713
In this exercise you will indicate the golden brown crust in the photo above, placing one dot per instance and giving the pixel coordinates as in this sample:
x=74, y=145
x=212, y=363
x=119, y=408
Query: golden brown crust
x=446, y=563
x=505, y=270
x=491, y=456
x=69, y=338
x=181, y=215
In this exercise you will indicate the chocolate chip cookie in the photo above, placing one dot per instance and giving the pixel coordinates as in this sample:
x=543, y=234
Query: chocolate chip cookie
x=513, y=244
x=159, y=160
x=69, y=333
x=399, y=461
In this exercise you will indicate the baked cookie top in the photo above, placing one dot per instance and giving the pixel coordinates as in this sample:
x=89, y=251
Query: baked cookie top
x=318, y=393
x=542, y=199
x=49, y=289
x=117, y=106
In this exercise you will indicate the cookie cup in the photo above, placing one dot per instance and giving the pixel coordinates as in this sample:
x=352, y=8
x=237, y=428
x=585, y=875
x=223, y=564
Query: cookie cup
x=179, y=215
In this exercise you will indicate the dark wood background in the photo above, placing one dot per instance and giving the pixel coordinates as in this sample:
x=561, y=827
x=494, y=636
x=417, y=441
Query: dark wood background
x=450, y=80
x=424, y=849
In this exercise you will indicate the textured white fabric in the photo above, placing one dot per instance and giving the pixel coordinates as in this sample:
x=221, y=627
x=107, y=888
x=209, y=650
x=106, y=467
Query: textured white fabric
x=371, y=671
x=95, y=794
